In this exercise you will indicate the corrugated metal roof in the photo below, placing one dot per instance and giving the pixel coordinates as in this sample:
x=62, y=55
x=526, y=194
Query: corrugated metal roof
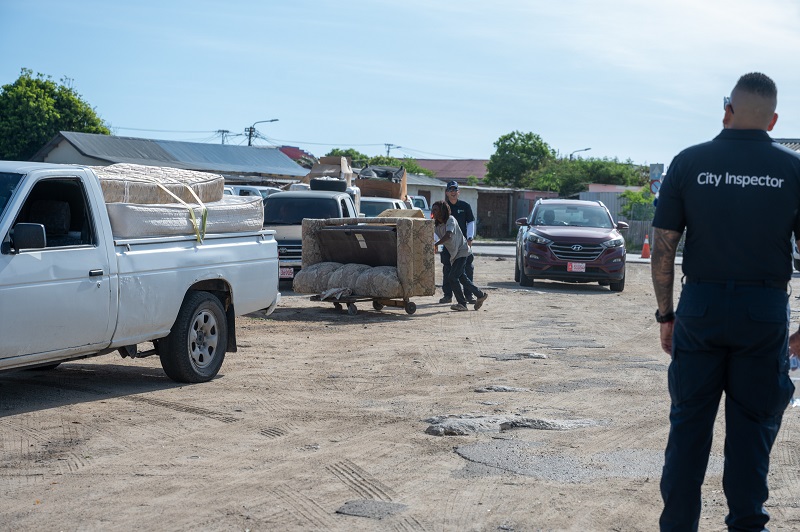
x=423, y=180
x=458, y=169
x=219, y=158
x=792, y=144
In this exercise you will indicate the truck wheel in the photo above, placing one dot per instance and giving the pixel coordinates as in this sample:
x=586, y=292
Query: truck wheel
x=411, y=307
x=195, y=348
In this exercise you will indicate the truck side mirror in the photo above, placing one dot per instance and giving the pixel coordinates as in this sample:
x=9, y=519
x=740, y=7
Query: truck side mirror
x=28, y=236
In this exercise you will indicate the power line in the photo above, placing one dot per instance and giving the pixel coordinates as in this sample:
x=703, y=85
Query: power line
x=160, y=130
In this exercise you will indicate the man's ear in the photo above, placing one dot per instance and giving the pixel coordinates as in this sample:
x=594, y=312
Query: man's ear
x=772, y=122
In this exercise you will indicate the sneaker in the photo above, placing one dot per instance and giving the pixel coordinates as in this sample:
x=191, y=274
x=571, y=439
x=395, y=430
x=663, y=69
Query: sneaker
x=445, y=300
x=480, y=300
x=458, y=307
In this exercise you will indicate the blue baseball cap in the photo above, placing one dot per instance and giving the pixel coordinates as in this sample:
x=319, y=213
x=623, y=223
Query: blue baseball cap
x=452, y=184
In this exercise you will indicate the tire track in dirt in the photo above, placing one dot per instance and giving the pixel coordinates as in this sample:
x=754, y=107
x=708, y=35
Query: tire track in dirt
x=361, y=482
x=180, y=407
x=312, y=515
x=785, y=486
x=466, y=509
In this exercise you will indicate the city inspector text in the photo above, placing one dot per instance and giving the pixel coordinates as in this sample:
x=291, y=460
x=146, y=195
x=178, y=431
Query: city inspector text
x=710, y=178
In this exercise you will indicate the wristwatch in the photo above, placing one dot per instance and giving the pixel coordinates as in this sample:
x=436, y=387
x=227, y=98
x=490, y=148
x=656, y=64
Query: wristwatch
x=665, y=318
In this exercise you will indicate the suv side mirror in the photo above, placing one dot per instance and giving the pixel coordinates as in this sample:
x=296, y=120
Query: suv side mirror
x=522, y=221
x=622, y=225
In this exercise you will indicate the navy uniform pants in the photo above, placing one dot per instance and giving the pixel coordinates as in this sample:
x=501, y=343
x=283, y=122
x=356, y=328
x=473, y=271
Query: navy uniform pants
x=469, y=270
x=728, y=338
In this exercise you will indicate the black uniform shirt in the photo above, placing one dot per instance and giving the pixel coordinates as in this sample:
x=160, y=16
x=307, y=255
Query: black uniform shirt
x=738, y=196
x=462, y=212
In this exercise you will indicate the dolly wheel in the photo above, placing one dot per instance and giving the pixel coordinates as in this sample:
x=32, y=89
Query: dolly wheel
x=411, y=307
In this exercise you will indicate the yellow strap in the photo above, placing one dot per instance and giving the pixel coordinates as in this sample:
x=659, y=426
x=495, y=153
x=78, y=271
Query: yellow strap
x=200, y=233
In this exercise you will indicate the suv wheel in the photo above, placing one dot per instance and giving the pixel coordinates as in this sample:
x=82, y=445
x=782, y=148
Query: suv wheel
x=524, y=280
x=618, y=286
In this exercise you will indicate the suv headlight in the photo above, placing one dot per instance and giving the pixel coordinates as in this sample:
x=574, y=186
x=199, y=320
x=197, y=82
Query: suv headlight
x=533, y=238
x=616, y=243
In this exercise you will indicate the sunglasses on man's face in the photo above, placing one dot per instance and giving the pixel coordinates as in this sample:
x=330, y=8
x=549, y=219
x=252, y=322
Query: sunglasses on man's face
x=726, y=101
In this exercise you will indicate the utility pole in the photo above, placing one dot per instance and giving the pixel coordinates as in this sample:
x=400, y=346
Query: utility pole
x=251, y=131
x=222, y=133
x=389, y=147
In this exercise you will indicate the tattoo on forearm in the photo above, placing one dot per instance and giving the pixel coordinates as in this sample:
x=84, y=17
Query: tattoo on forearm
x=662, y=266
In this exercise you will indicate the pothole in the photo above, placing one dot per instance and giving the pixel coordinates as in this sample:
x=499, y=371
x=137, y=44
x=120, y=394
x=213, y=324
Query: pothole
x=370, y=508
x=504, y=357
x=464, y=424
x=526, y=458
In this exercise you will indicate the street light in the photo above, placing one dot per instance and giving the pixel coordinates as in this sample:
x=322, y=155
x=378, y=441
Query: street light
x=576, y=151
x=251, y=131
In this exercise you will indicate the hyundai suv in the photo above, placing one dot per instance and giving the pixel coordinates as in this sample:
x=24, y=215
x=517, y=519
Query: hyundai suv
x=574, y=241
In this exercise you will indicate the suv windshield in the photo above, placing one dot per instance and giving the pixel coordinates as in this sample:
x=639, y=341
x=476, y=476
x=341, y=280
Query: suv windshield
x=571, y=215
x=291, y=211
x=8, y=184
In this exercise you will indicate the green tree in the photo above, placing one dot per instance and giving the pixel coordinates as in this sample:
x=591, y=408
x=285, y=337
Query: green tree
x=517, y=155
x=472, y=181
x=34, y=109
x=571, y=176
x=638, y=205
x=410, y=164
x=358, y=159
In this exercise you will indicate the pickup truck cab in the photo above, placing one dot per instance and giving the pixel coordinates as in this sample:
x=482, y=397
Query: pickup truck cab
x=70, y=289
x=421, y=202
x=284, y=213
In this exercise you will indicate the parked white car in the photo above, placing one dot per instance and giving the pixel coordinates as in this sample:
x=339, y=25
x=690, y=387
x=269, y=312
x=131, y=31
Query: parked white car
x=249, y=190
x=373, y=206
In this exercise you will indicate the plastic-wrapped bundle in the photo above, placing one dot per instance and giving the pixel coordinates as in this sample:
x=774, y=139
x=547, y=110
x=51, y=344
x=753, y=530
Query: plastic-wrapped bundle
x=380, y=281
x=346, y=276
x=314, y=279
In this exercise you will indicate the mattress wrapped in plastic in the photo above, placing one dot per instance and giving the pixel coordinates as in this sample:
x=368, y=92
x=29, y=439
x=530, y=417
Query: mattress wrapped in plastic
x=136, y=183
x=230, y=214
x=358, y=279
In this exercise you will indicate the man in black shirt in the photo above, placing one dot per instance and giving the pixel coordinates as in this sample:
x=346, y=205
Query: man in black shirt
x=462, y=212
x=738, y=199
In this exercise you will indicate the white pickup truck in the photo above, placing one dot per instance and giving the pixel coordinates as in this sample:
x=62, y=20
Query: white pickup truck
x=69, y=289
x=284, y=213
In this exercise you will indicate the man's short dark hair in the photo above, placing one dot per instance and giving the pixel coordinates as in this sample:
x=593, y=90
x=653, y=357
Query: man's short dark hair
x=757, y=83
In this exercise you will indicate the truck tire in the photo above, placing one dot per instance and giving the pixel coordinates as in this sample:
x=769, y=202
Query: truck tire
x=195, y=347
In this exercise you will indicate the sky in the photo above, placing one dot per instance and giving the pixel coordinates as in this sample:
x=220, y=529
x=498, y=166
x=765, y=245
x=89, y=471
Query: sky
x=432, y=79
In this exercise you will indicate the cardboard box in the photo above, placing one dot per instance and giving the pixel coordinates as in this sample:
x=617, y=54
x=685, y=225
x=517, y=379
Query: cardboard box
x=389, y=183
x=337, y=167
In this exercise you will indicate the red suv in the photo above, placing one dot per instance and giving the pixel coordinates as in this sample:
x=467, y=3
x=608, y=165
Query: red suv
x=570, y=240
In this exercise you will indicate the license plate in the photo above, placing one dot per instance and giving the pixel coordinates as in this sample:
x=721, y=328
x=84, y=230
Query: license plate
x=286, y=273
x=576, y=266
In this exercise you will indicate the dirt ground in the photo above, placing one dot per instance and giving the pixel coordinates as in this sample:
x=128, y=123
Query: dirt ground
x=544, y=410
